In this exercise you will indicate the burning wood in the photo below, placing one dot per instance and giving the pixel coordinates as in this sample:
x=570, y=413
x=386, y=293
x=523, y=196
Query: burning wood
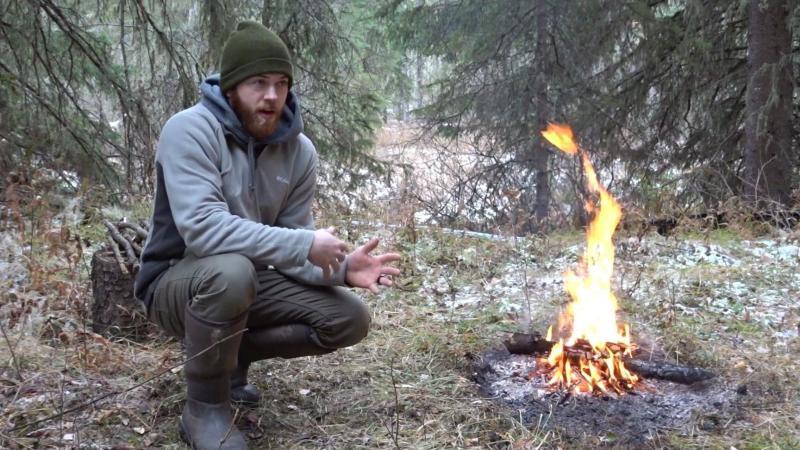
x=536, y=344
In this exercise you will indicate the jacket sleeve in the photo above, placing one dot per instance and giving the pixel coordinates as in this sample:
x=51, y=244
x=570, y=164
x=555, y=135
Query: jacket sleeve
x=188, y=152
x=297, y=215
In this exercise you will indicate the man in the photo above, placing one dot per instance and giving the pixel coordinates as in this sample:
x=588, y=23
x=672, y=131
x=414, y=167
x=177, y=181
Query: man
x=232, y=244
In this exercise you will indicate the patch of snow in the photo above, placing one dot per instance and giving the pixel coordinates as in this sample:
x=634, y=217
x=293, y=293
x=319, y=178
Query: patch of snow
x=13, y=270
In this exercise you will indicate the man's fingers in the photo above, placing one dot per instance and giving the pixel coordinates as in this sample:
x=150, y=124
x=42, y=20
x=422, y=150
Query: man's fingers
x=370, y=245
x=388, y=257
x=374, y=288
x=390, y=270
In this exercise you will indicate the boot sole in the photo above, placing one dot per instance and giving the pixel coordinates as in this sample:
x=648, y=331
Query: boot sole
x=241, y=397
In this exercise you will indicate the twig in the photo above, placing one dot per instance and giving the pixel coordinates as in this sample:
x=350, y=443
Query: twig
x=230, y=428
x=394, y=430
x=138, y=385
x=11, y=350
x=527, y=319
x=61, y=401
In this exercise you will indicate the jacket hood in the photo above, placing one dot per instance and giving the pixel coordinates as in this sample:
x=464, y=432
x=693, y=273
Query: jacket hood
x=290, y=125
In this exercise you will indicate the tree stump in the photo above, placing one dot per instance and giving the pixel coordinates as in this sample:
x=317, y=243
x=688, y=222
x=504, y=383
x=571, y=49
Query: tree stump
x=115, y=311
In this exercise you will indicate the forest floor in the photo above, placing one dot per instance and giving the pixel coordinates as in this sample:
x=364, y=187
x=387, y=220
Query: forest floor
x=723, y=300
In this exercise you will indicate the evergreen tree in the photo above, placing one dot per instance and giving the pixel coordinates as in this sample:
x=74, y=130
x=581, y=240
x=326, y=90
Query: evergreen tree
x=655, y=90
x=768, y=155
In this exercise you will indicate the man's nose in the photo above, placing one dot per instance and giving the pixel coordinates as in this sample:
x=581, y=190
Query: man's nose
x=270, y=93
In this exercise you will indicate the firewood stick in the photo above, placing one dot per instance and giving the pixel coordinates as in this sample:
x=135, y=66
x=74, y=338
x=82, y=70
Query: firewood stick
x=117, y=255
x=112, y=230
x=140, y=232
x=131, y=240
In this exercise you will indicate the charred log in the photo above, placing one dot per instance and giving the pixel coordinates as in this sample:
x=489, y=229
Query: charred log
x=535, y=344
x=528, y=344
x=667, y=371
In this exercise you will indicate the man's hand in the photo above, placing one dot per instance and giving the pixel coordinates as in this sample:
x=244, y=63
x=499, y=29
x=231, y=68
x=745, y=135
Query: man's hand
x=327, y=251
x=367, y=271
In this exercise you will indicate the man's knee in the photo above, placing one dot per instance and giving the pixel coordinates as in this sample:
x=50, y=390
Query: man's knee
x=228, y=287
x=351, y=324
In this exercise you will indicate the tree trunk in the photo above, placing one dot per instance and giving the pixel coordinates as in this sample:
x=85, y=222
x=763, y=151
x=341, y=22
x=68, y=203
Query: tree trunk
x=219, y=27
x=268, y=14
x=768, y=157
x=541, y=154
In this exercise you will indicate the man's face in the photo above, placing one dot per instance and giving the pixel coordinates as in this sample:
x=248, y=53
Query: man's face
x=259, y=102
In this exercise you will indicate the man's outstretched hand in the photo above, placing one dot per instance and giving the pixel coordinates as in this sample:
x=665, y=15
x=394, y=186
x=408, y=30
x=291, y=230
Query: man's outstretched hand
x=367, y=271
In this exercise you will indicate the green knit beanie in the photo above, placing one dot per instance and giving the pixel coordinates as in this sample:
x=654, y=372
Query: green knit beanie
x=251, y=50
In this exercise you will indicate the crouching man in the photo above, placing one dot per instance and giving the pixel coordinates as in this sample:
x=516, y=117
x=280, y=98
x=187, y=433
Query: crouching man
x=232, y=244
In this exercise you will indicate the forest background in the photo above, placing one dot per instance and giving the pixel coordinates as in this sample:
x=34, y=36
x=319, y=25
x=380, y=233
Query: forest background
x=426, y=115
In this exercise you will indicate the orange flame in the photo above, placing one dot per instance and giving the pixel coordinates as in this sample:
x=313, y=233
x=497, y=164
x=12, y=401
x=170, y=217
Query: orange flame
x=591, y=316
x=561, y=136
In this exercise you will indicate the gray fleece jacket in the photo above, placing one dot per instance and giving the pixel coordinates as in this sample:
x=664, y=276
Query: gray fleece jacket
x=218, y=190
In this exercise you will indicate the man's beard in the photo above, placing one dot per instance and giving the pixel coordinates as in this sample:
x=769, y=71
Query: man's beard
x=259, y=126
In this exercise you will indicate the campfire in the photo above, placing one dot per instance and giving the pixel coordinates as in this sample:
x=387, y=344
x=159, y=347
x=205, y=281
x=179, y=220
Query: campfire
x=588, y=354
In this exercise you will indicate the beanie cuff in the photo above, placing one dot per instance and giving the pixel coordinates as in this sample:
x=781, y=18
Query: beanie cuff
x=257, y=67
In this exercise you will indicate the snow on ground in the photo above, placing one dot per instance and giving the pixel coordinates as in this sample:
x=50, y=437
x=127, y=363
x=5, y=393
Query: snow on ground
x=13, y=271
x=755, y=282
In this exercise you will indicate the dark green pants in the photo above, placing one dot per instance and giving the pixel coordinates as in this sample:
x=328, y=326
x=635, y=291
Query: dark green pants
x=221, y=287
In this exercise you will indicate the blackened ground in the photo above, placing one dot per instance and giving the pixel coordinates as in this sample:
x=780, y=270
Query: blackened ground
x=632, y=420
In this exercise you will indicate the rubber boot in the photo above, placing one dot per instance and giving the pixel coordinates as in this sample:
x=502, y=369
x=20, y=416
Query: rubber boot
x=207, y=419
x=283, y=341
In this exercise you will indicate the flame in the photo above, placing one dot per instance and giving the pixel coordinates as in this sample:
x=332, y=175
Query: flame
x=561, y=136
x=595, y=344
